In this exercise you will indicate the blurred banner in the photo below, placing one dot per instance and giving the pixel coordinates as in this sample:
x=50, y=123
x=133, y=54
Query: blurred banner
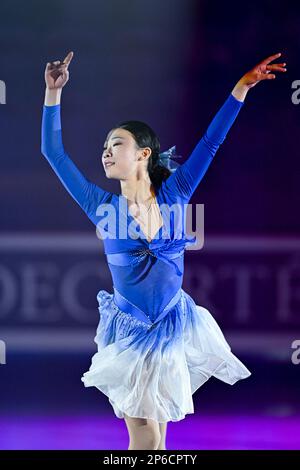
x=49, y=285
x=171, y=64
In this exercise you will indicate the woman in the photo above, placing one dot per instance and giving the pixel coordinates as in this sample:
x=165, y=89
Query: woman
x=156, y=347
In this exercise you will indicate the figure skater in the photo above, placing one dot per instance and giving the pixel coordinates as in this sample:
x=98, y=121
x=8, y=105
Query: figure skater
x=155, y=346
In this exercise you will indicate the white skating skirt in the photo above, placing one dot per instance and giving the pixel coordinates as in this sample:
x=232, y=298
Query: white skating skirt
x=152, y=371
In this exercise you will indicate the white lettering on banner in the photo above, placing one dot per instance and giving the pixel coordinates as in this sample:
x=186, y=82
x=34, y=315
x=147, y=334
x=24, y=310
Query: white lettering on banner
x=44, y=293
x=233, y=275
x=38, y=286
x=288, y=290
x=243, y=277
x=9, y=294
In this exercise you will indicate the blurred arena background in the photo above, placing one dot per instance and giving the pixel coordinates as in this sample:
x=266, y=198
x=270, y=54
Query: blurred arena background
x=171, y=64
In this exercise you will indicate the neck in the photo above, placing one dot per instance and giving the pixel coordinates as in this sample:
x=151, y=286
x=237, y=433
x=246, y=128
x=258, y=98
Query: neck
x=137, y=191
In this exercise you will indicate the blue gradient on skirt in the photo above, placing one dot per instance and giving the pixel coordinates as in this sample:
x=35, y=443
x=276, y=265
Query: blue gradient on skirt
x=152, y=371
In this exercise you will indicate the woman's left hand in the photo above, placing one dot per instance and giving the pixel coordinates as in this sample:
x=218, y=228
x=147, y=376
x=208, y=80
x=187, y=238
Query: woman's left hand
x=261, y=71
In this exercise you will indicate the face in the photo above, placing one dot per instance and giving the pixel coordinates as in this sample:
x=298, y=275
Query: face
x=121, y=155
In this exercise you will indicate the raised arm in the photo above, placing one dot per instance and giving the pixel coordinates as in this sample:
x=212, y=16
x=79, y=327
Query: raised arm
x=85, y=193
x=186, y=178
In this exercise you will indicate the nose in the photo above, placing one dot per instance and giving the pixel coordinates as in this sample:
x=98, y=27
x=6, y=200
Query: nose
x=106, y=154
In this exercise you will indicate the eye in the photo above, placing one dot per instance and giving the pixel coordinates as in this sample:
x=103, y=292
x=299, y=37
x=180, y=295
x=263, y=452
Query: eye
x=119, y=143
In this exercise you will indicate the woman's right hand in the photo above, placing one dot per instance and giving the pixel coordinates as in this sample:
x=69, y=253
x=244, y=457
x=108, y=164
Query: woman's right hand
x=57, y=73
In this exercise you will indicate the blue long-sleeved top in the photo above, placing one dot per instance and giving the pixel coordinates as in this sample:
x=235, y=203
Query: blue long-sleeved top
x=141, y=282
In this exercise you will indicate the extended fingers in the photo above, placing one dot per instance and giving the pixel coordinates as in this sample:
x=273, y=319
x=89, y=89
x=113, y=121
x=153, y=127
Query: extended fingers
x=68, y=58
x=270, y=58
x=267, y=76
x=276, y=67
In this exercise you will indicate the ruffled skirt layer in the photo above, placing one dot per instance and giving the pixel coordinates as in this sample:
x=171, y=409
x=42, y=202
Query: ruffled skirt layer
x=151, y=371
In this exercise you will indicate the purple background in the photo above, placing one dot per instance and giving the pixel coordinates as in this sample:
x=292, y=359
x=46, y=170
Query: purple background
x=171, y=64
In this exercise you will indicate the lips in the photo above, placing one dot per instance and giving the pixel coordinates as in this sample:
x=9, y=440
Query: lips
x=108, y=164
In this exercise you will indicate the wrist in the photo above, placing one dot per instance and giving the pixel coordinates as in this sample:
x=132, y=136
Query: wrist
x=52, y=96
x=240, y=90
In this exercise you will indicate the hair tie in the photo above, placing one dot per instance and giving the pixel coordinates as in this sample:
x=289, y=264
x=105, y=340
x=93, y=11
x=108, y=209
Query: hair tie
x=166, y=159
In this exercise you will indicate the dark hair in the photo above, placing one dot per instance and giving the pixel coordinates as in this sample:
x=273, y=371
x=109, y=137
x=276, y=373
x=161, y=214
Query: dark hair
x=146, y=137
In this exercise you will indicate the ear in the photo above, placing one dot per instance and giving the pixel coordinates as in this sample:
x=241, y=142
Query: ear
x=146, y=153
